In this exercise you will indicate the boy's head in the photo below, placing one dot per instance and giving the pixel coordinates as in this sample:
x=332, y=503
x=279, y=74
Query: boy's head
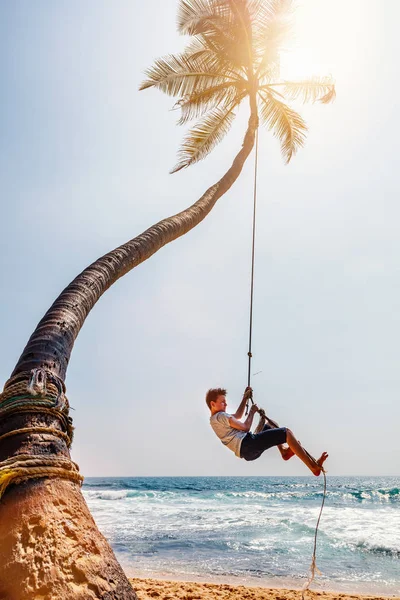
x=216, y=400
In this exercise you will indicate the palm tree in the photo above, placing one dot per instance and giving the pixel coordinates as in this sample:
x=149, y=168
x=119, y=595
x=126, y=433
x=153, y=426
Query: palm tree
x=49, y=543
x=234, y=55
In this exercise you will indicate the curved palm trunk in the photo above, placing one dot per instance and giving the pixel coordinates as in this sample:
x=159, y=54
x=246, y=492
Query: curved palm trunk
x=50, y=546
x=51, y=343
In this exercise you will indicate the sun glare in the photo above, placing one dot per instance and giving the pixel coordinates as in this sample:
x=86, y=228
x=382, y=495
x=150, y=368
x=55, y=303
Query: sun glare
x=299, y=64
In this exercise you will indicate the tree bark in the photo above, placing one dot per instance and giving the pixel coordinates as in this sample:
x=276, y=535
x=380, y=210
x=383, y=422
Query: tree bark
x=50, y=547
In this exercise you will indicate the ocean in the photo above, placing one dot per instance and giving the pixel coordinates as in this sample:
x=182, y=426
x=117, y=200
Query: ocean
x=254, y=530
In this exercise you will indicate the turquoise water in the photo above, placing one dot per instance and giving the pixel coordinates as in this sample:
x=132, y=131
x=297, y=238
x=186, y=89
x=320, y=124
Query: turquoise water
x=254, y=530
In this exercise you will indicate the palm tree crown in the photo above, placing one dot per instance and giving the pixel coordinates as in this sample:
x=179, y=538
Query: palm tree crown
x=234, y=54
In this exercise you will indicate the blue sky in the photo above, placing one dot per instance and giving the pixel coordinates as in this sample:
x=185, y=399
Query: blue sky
x=84, y=161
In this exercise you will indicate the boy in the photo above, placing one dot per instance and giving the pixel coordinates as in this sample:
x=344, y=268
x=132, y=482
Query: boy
x=235, y=434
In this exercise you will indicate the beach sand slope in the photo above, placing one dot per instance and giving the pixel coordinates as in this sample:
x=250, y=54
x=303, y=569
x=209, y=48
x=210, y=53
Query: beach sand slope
x=150, y=589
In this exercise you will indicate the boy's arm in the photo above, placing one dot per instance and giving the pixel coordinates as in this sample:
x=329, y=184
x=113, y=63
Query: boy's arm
x=247, y=394
x=244, y=425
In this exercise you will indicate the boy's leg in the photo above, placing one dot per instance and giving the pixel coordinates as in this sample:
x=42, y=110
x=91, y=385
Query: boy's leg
x=253, y=445
x=314, y=466
x=285, y=451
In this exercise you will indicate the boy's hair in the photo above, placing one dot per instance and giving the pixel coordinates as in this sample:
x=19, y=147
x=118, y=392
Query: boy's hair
x=213, y=394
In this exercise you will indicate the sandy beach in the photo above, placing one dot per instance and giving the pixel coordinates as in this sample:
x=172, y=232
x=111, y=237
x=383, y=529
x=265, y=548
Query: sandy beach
x=148, y=589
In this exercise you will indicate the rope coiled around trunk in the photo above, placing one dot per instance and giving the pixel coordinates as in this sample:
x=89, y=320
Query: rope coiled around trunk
x=23, y=467
x=51, y=430
x=37, y=391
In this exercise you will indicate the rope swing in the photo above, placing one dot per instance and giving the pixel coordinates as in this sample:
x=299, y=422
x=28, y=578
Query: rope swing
x=262, y=414
x=253, y=246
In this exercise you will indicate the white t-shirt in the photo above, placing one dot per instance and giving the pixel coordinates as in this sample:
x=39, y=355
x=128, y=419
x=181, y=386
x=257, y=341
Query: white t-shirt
x=230, y=437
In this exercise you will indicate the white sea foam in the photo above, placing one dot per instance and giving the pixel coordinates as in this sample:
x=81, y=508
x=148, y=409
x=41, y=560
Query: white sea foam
x=244, y=527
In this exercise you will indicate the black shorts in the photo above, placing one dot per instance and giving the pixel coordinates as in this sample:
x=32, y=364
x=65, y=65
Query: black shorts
x=254, y=444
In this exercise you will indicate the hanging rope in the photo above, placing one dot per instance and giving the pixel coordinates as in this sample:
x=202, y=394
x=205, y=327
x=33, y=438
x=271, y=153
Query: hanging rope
x=313, y=566
x=249, y=353
x=263, y=416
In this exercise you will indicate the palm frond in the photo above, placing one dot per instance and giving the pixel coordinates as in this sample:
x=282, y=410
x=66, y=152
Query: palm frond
x=244, y=34
x=317, y=88
x=266, y=12
x=287, y=124
x=189, y=10
x=233, y=45
x=234, y=42
x=207, y=133
x=329, y=96
x=225, y=23
x=240, y=8
x=203, y=16
x=197, y=104
x=272, y=29
x=258, y=8
x=213, y=57
x=179, y=75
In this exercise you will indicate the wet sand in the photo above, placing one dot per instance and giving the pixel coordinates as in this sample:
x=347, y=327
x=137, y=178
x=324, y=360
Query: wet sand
x=150, y=589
